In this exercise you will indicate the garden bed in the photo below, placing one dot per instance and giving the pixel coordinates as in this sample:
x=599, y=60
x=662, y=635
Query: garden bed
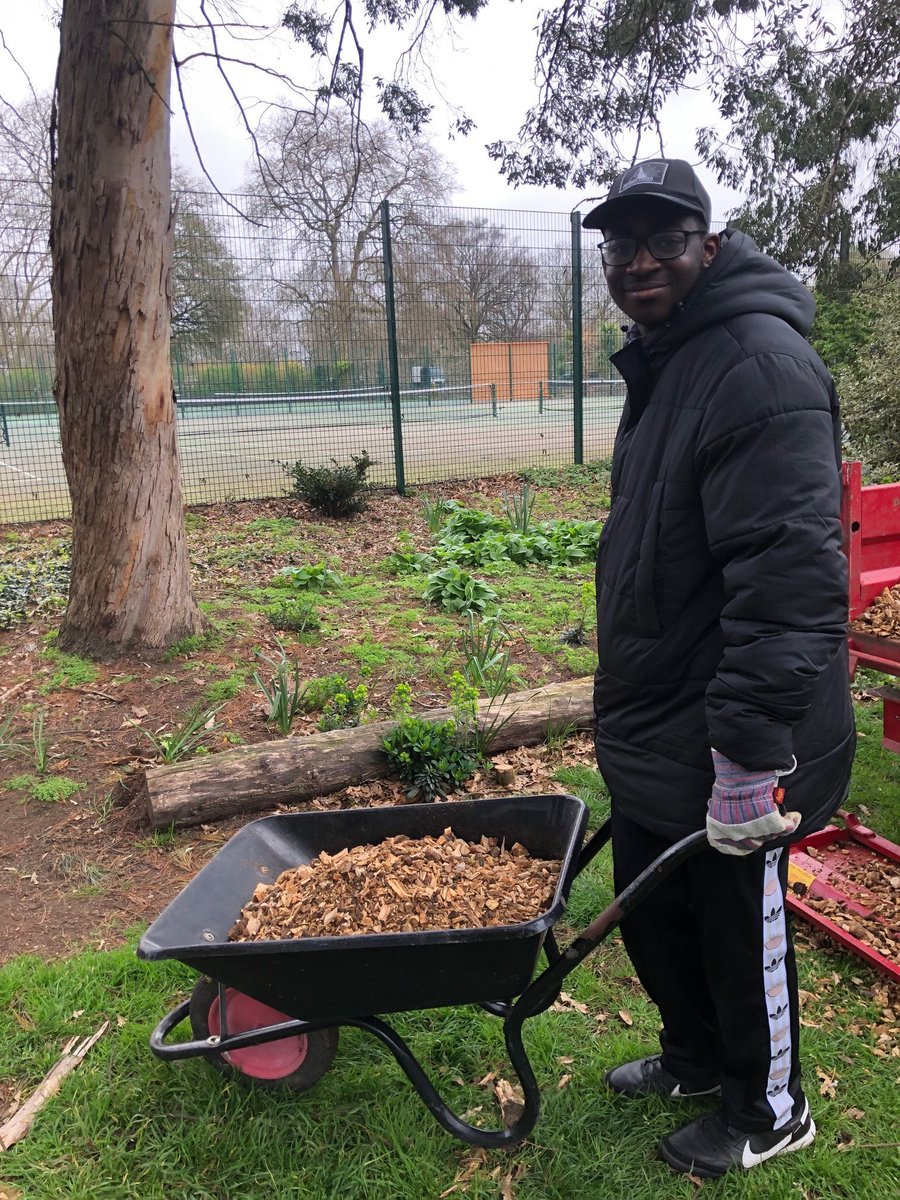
x=78, y=863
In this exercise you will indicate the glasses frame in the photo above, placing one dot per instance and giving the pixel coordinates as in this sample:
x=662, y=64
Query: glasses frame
x=645, y=242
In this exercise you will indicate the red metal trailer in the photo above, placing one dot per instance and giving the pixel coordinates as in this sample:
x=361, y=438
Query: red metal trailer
x=823, y=865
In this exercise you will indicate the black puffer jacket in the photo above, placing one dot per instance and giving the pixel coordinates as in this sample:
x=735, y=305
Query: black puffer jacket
x=721, y=582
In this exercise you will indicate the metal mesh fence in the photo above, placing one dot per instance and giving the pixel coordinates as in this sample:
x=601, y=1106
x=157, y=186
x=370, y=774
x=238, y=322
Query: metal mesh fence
x=283, y=346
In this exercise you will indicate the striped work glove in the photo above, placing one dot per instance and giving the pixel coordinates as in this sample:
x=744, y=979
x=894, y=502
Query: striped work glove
x=746, y=809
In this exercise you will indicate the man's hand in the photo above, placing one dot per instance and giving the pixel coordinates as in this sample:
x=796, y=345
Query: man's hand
x=745, y=810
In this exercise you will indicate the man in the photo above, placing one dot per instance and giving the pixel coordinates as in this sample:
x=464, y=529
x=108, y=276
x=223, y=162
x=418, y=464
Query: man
x=721, y=691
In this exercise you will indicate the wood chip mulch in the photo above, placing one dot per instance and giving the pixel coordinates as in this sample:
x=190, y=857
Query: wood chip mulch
x=402, y=885
x=882, y=617
x=875, y=886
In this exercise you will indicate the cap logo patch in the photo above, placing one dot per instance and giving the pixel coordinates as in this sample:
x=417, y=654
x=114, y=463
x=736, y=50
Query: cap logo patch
x=652, y=172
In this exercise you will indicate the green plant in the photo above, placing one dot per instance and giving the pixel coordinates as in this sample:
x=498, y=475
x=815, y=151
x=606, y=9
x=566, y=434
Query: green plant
x=518, y=509
x=457, y=591
x=433, y=757
x=337, y=491
x=284, y=692
x=298, y=614
x=313, y=577
x=40, y=742
x=184, y=737
x=221, y=690
x=345, y=709
x=487, y=657
x=38, y=584
x=436, y=512
x=8, y=744
x=576, y=635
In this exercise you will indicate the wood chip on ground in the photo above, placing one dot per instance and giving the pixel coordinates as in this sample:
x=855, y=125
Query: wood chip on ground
x=882, y=617
x=402, y=885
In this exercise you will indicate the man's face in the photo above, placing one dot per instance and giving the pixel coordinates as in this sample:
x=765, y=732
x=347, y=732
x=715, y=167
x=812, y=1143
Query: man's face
x=647, y=289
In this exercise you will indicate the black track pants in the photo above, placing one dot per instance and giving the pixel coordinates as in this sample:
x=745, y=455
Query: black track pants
x=712, y=948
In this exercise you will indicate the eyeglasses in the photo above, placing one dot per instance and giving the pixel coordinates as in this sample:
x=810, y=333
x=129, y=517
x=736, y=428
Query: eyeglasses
x=670, y=243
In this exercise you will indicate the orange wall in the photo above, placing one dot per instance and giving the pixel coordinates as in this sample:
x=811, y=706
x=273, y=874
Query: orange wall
x=515, y=367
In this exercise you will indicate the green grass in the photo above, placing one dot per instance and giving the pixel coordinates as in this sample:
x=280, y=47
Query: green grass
x=48, y=789
x=221, y=690
x=70, y=671
x=127, y=1126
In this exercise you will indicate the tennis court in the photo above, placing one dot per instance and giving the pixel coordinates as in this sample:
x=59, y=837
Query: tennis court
x=231, y=448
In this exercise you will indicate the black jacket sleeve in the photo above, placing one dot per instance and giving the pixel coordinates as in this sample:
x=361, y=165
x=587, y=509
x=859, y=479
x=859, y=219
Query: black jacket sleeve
x=770, y=489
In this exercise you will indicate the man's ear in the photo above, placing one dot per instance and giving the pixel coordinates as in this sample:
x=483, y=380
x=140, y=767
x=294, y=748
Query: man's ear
x=712, y=243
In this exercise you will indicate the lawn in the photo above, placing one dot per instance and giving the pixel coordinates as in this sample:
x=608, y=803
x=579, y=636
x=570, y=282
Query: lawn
x=83, y=875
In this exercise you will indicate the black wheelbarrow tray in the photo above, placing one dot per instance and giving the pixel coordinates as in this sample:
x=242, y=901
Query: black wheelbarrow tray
x=267, y=1013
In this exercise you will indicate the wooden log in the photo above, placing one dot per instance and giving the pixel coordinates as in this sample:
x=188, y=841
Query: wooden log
x=250, y=778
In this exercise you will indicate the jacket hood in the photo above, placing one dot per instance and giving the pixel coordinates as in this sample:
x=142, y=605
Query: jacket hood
x=741, y=279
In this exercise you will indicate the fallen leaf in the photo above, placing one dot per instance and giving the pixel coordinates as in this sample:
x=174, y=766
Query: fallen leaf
x=828, y=1085
x=564, y=1081
x=625, y=1017
x=855, y=1114
x=511, y=1100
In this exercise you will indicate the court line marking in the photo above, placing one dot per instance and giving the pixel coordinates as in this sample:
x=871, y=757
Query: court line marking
x=19, y=469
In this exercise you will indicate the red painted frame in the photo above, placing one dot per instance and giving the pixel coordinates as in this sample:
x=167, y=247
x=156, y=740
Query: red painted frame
x=871, y=519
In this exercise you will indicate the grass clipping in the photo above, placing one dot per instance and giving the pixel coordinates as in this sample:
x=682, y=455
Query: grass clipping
x=882, y=617
x=401, y=885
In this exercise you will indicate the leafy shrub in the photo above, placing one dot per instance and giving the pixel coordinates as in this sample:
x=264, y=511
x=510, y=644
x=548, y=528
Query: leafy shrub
x=457, y=591
x=319, y=691
x=313, y=577
x=432, y=757
x=297, y=615
x=337, y=491
x=345, y=709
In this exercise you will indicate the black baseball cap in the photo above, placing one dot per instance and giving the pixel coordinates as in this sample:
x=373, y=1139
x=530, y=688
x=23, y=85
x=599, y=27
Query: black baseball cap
x=670, y=179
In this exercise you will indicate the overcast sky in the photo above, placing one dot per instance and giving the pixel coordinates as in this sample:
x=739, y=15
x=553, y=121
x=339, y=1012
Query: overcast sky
x=487, y=69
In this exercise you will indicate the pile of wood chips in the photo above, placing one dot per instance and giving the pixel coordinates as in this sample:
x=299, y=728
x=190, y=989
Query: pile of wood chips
x=882, y=617
x=401, y=885
x=879, y=892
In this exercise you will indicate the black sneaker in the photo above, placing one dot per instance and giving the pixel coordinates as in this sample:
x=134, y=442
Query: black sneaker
x=648, y=1077
x=709, y=1146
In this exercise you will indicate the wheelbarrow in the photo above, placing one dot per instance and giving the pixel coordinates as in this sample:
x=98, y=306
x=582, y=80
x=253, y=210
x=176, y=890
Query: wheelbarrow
x=267, y=1013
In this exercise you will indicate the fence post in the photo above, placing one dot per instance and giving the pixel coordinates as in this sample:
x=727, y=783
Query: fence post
x=493, y=399
x=577, y=343
x=393, y=360
x=540, y=396
x=4, y=428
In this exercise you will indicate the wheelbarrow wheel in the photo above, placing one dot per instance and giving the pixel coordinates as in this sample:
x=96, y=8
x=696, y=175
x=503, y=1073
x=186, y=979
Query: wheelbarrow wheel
x=295, y=1062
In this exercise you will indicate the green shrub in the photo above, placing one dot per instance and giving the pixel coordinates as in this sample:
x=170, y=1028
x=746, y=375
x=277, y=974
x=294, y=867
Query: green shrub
x=338, y=491
x=431, y=757
x=345, y=709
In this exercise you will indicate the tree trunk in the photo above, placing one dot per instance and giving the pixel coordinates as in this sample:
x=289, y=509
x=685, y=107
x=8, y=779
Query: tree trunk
x=111, y=239
x=285, y=772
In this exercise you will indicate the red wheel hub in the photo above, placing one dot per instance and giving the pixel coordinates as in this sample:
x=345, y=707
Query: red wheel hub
x=271, y=1060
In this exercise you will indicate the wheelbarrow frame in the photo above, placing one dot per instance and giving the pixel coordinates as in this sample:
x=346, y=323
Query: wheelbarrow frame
x=538, y=995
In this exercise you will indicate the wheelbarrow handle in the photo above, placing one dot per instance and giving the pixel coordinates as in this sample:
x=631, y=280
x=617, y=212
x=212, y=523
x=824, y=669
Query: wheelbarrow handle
x=544, y=989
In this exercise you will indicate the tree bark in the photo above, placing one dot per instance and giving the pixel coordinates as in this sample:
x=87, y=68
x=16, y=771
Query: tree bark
x=111, y=239
x=295, y=769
